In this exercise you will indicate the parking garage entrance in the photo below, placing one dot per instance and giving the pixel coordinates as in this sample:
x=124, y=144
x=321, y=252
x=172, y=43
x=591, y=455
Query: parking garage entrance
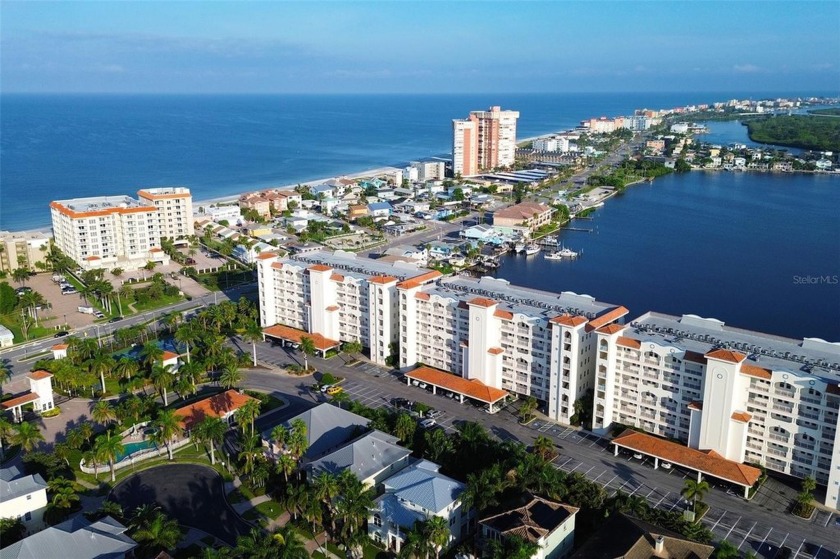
x=707, y=462
x=472, y=389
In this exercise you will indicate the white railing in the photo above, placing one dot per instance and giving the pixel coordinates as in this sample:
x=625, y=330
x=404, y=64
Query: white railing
x=132, y=458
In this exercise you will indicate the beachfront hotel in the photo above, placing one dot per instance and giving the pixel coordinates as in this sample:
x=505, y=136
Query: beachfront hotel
x=175, y=212
x=744, y=396
x=485, y=140
x=107, y=232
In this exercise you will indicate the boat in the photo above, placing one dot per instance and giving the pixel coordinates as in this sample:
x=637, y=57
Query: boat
x=532, y=248
x=562, y=253
x=519, y=247
x=553, y=255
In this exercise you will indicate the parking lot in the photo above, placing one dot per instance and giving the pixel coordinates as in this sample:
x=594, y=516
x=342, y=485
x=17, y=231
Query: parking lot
x=65, y=308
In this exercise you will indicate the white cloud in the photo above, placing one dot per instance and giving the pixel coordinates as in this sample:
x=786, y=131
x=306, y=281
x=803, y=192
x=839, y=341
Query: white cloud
x=746, y=68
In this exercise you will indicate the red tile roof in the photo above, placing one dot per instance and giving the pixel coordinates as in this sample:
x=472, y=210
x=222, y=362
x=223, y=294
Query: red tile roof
x=754, y=371
x=524, y=210
x=19, y=400
x=741, y=416
x=422, y=295
x=41, y=374
x=337, y=277
x=569, y=320
x=382, y=279
x=320, y=268
x=709, y=462
x=266, y=255
x=59, y=347
x=295, y=335
x=495, y=351
x=696, y=405
x=219, y=405
x=167, y=355
x=610, y=328
x=472, y=388
x=333, y=308
x=629, y=342
x=609, y=316
x=726, y=355
x=419, y=280
x=695, y=357
x=277, y=265
x=504, y=315
x=482, y=302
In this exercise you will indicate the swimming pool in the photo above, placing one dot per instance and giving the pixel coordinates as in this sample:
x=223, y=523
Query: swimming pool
x=131, y=448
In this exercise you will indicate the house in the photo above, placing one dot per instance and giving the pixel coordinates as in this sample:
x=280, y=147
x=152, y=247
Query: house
x=624, y=536
x=380, y=209
x=23, y=497
x=417, y=493
x=354, y=212
x=478, y=232
x=39, y=395
x=372, y=457
x=439, y=250
x=548, y=524
x=419, y=255
x=78, y=538
x=248, y=254
x=222, y=405
x=523, y=217
x=327, y=428
x=823, y=164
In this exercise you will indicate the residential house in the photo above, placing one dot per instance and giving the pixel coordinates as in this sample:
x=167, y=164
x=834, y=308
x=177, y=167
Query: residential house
x=410, y=253
x=478, y=232
x=328, y=428
x=323, y=190
x=223, y=406
x=438, y=250
x=230, y=213
x=23, y=497
x=78, y=538
x=548, y=524
x=415, y=494
x=248, y=254
x=624, y=536
x=372, y=457
x=823, y=164
x=380, y=209
x=354, y=212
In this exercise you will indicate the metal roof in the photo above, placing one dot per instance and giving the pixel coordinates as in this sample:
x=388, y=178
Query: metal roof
x=365, y=457
x=327, y=428
x=425, y=487
x=77, y=538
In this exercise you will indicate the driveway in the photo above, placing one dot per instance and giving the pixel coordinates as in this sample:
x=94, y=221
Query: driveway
x=193, y=495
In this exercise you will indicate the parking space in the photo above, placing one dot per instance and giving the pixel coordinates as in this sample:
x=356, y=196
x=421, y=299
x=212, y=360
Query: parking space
x=65, y=308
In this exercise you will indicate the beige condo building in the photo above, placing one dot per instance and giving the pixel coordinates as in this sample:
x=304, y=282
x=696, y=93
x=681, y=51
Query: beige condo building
x=175, y=212
x=485, y=140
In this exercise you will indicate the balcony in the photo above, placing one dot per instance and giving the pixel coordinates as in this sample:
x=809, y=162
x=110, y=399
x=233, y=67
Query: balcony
x=777, y=452
x=784, y=393
x=780, y=406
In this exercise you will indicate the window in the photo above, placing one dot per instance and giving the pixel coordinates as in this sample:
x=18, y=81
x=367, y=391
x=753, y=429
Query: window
x=28, y=516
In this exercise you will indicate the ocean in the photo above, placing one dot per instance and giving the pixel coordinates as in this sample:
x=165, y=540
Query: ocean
x=66, y=146
x=757, y=251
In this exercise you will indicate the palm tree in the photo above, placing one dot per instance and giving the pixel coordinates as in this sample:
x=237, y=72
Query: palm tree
x=230, y=377
x=298, y=440
x=416, y=544
x=63, y=493
x=108, y=446
x=483, y=489
x=353, y=504
x=187, y=334
x=190, y=371
x=544, y=447
x=162, y=379
x=253, y=334
x=20, y=275
x=159, y=533
x=286, y=465
x=249, y=411
x=211, y=430
x=250, y=450
x=103, y=413
x=6, y=431
x=112, y=509
x=280, y=435
x=297, y=496
x=437, y=533
x=287, y=544
x=27, y=435
x=167, y=426
x=404, y=427
x=99, y=364
x=126, y=367
x=307, y=347
x=695, y=491
x=151, y=354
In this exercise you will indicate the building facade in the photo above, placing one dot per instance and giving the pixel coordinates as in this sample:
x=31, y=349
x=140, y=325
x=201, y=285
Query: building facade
x=484, y=140
x=23, y=497
x=108, y=232
x=750, y=397
x=175, y=211
x=525, y=217
x=22, y=250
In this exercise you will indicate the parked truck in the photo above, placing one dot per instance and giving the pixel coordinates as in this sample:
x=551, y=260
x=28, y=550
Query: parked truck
x=87, y=310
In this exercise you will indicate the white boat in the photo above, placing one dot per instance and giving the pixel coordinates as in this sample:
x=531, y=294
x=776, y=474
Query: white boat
x=561, y=254
x=532, y=249
x=553, y=255
x=519, y=247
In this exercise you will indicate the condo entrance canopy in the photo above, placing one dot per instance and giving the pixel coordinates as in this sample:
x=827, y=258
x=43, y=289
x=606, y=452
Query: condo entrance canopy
x=293, y=335
x=706, y=462
x=473, y=389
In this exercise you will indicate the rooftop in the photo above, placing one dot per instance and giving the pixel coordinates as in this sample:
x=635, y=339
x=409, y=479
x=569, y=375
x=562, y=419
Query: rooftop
x=421, y=484
x=294, y=335
x=366, y=456
x=327, y=428
x=220, y=405
x=533, y=521
x=77, y=538
x=17, y=485
x=102, y=203
x=524, y=210
x=703, y=335
x=361, y=268
x=473, y=388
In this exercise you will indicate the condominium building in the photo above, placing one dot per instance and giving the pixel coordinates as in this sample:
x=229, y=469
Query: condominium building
x=175, y=212
x=485, y=140
x=523, y=218
x=746, y=396
x=22, y=250
x=337, y=296
x=525, y=341
x=108, y=231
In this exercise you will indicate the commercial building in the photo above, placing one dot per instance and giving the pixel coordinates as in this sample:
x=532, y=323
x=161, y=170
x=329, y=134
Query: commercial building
x=743, y=396
x=337, y=296
x=175, y=212
x=108, y=232
x=22, y=250
x=484, y=140
x=523, y=218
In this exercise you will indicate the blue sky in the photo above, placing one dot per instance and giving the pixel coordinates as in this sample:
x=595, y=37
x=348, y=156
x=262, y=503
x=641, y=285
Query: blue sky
x=428, y=47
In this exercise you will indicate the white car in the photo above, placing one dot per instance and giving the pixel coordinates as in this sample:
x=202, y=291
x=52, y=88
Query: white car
x=325, y=388
x=637, y=455
x=665, y=465
x=427, y=423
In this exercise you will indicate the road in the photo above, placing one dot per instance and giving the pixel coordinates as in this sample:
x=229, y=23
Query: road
x=761, y=525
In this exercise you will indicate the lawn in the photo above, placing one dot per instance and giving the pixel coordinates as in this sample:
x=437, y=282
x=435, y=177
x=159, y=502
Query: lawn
x=216, y=281
x=162, y=301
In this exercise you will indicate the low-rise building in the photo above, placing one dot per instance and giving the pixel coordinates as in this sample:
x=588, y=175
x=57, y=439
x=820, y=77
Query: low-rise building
x=22, y=250
x=547, y=524
x=524, y=218
x=222, y=406
x=23, y=497
x=78, y=538
x=372, y=457
x=39, y=396
x=416, y=494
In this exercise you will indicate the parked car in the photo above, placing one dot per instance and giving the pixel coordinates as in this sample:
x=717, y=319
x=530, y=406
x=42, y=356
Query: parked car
x=665, y=465
x=98, y=314
x=116, y=319
x=400, y=403
x=61, y=334
x=428, y=423
x=189, y=261
x=326, y=387
x=431, y=414
x=638, y=455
